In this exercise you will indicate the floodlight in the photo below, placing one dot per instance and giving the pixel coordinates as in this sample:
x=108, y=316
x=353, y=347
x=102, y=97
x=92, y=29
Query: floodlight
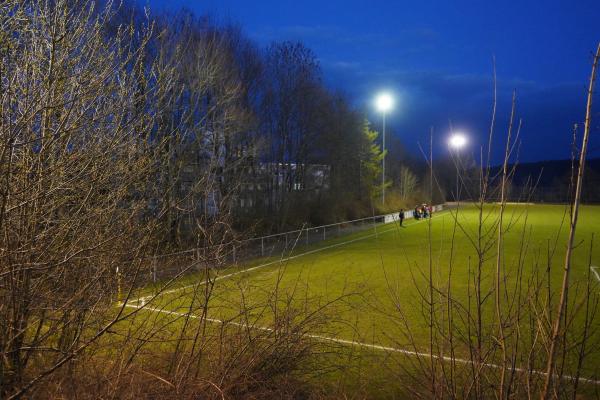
x=457, y=140
x=384, y=102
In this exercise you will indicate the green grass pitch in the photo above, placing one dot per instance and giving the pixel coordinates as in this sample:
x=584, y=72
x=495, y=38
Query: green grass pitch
x=368, y=288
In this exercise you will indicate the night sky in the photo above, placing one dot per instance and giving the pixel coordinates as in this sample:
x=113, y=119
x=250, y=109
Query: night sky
x=436, y=56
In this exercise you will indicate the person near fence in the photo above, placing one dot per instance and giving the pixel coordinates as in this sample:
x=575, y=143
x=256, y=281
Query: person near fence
x=425, y=211
x=401, y=217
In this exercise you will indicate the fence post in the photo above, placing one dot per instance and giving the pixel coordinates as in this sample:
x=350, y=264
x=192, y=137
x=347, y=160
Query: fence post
x=262, y=246
x=118, y=284
x=154, y=263
x=200, y=255
x=306, y=235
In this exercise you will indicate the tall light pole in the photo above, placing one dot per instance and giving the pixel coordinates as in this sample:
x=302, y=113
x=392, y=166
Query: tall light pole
x=384, y=103
x=457, y=141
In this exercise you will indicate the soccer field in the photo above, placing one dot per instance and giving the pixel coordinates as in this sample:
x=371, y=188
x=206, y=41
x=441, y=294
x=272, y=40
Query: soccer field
x=371, y=289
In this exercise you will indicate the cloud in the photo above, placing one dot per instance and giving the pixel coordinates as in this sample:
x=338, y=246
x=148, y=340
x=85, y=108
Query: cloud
x=340, y=36
x=296, y=32
x=340, y=65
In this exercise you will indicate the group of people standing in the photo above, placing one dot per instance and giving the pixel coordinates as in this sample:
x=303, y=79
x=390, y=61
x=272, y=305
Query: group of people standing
x=422, y=211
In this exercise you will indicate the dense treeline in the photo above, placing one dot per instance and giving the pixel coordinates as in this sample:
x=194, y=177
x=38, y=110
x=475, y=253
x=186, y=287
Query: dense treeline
x=125, y=136
x=292, y=152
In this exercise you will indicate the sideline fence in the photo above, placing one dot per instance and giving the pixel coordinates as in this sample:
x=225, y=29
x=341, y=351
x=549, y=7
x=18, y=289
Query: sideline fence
x=276, y=243
x=170, y=265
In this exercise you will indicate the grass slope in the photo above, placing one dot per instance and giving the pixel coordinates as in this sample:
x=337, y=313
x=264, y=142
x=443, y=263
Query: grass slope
x=371, y=286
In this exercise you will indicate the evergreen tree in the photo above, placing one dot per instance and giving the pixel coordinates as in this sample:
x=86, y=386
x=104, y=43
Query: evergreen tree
x=371, y=157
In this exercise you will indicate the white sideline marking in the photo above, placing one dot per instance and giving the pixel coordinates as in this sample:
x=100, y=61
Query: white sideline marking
x=365, y=345
x=594, y=270
x=218, y=278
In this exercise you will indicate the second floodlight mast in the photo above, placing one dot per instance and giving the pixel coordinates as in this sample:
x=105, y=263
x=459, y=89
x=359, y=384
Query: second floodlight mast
x=456, y=142
x=384, y=103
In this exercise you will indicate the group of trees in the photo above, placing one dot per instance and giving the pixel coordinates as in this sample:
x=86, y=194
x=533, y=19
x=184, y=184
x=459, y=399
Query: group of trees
x=264, y=117
x=124, y=136
x=297, y=122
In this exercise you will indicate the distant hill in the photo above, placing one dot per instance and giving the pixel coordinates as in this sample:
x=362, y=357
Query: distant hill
x=552, y=180
x=552, y=171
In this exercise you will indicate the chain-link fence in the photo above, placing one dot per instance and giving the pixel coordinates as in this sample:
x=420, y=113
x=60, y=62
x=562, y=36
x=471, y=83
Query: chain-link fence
x=192, y=260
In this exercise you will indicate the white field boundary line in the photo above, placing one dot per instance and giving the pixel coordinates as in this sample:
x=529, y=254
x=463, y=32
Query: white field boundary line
x=282, y=260
x=366, y=345
x=595, y=271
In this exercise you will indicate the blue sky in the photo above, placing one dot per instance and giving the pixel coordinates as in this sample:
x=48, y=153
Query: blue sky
x=436, y=56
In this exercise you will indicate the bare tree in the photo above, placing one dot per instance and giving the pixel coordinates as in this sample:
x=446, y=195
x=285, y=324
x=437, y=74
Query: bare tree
x=559, y=319
x=408, y=182
x=73, y=168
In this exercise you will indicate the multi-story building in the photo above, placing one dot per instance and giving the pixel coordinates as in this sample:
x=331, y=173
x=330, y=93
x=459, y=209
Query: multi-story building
x=263, y=184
